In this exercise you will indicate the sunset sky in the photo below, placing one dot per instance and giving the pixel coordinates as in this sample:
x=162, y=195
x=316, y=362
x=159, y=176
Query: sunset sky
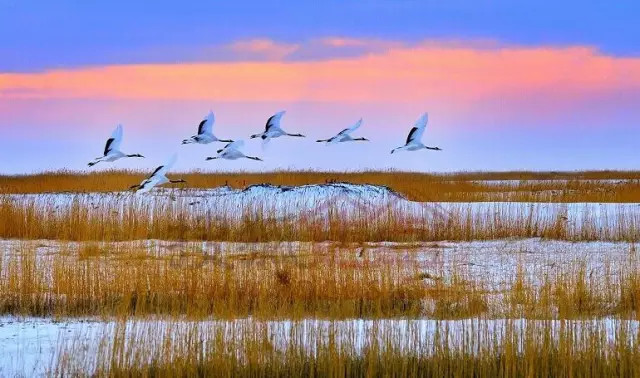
x=527, y=85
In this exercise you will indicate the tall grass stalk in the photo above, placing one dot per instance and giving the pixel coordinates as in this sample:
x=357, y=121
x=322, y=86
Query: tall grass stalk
x=125, y=217
x=472, y=349
x=335, y=283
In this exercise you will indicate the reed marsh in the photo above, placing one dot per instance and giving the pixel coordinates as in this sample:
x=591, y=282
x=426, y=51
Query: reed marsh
x=245, y=347
x=337, y=212
x=160, y=308
x=310, y=280
x=579, y=186
x=470, y=274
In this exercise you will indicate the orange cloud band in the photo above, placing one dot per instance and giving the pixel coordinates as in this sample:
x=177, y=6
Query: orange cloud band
x=400, y=74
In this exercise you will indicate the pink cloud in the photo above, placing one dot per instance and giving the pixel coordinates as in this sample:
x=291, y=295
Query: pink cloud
x=263, y=48
x=343, y=42
x=366, y=44
x=426, y=73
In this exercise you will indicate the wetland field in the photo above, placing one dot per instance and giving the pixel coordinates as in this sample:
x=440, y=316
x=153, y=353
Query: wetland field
x=297, y=273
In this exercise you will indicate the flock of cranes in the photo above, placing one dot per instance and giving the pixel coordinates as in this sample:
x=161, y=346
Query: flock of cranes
x=233, y=149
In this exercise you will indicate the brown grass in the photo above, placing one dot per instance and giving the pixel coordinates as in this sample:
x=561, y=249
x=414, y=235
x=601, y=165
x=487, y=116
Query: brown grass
x=133, y=282
x=624, y=186
x=330, y=281
x=130, y=218
x=312, y=281
x=90, y=250
x=508, y=350
x=130, y=286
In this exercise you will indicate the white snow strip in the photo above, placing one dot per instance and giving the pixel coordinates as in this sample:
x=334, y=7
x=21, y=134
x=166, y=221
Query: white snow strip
x=31, y=346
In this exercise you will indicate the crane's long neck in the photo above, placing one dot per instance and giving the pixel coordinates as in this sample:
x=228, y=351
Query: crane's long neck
x=401, y=148
x=95, y=161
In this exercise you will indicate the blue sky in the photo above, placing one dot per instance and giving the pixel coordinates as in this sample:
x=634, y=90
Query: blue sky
x=36, y=35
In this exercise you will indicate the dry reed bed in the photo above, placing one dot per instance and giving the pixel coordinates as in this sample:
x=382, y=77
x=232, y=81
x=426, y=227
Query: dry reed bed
x=176, y=216
x=328, y=282
x=480, y=348
x=603, y=186
x=91, y=282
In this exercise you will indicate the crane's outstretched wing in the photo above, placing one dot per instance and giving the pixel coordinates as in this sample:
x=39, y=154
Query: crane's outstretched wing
x=237, y=144
x=274, y=120
x=351, y=129
x=163, y=169
x=234, y=145
x=113, y=143
x=418, y=129
x=206, y=125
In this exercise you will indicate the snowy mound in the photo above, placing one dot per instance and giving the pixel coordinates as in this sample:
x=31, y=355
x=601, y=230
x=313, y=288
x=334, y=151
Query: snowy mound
x=283, y=200
x=272, y=200
x=298, y=194
x=326, y=201
x=324, y=190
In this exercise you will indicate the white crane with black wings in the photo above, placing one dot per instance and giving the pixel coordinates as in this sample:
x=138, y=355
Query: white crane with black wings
x=345, y=135
x=112, y=149
x=273, y=130
x=232, y=152
x=414, y=140
x=205, y=132
x=158, y=177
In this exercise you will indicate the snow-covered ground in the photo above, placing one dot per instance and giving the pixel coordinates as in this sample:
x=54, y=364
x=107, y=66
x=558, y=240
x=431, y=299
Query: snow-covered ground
x=492, y=262
x=28, y=346
x=598, y=219
x=283, y=198
x=31, y=346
